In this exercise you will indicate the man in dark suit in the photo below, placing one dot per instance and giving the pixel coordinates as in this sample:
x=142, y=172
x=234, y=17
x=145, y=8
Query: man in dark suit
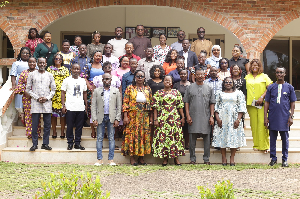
x=190, y=56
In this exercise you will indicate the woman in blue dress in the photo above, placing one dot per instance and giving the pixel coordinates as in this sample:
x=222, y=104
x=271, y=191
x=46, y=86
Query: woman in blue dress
x=16, y=69
x=229, y=109
x=90, y=71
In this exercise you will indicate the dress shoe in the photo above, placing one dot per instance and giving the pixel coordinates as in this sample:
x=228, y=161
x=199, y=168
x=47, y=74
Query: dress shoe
x=232, y=164
x=207, y=163
x=224, y=164
x=79, y=147
x=54, y=136
x=192, y=162
x=33, y=148
x=134, y=164
x=273, y=162
x=70, y=147
x=62, y=136
x=46, y=147
x=284, y=164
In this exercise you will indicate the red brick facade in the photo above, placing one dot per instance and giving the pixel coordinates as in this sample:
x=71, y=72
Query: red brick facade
x=253, y=22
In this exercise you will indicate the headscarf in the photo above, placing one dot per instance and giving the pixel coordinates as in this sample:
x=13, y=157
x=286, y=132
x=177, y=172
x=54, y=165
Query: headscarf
x=214, y=58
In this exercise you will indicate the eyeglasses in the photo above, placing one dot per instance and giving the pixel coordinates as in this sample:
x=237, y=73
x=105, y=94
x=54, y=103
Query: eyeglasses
x=201, y=32
x=182, y=34
x=224, y=63
x=24, y=53
x=140, y=76
x=106, y=79
x=279, y=72
x=216, y=49
x=228, y=82
x=57, y=59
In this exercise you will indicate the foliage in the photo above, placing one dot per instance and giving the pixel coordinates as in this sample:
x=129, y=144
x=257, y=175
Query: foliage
x=223, y=190
x=3, y=3
x=81, y=187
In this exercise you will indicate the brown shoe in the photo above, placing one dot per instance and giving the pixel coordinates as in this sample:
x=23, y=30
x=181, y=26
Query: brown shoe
x=207, y=163
x=192, y=162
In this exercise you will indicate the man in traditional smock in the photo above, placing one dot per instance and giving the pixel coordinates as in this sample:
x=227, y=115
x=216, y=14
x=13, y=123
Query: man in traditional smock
x=280, y=99
x=199, y=101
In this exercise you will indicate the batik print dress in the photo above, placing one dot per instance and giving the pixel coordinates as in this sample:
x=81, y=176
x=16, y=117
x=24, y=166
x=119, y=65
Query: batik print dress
x=20, y=89
x=168, y=137
x=136, y=138
x=59, y=75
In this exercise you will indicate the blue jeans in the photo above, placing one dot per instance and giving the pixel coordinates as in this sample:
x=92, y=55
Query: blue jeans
x=111, y=138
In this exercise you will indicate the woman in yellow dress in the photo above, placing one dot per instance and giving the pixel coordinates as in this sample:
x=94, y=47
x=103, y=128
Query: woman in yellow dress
x=257, y=83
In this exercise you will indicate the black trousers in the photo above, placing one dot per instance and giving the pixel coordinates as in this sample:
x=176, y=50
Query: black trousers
x=77, y=118
x=47, y=127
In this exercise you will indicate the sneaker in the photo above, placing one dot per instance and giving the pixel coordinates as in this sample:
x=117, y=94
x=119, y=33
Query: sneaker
x=111, y=163
x=99, y=163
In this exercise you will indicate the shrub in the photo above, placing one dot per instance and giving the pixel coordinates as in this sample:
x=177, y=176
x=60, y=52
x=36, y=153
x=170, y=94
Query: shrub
x=79, y=187
x=223, y=190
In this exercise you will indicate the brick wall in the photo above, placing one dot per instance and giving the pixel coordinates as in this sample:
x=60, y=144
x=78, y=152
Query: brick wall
x=253, y=22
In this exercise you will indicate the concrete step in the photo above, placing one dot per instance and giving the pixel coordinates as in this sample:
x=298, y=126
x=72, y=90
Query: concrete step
x=23, y=141
x=86, y=131
x=89, y=156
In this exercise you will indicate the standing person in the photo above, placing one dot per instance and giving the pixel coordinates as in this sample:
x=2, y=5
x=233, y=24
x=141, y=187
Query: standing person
x=108, y=57
x=136, y=108
x=190, y=58
x=91, y=71
x=168, y=137
x=119, y=72
x=41, y=88
x=229, y=109
x=26, y=99
x=128, y=77
x=74, y=89
x=170, y=62
x=178, y=44
x=16, y=69
x=82, y=59
x=106, y=112
x=181, y=87
x=257, y=83
x=215, y=57
x=118, y=43
x=236, y=59
x=33, y=39
x=175, y=73
x=201, y=43
x=239, y=82
x=157, y=74
x=224, y=69
x=59, y=73
x=115, y=81
x=280, y=99
x=201, y=64
x=146, y=63
x=199, y=101
x=67, y=54
x=77, y=43
x=46, y=49
x=129, y=52
x=140, y=43
x=213, y=81
x=160, y=51
x=96, y=45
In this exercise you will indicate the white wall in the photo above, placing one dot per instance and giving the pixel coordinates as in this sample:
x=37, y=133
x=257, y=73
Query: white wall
x=105, y=19
x=291, y=29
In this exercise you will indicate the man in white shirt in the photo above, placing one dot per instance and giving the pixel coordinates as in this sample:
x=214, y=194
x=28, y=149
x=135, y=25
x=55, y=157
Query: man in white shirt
x=74, y=90
x=108, y=57
x=118, y=43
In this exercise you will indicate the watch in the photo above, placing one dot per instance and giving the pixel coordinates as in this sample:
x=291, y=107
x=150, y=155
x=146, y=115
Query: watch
x=212, y=116
x=292, y=116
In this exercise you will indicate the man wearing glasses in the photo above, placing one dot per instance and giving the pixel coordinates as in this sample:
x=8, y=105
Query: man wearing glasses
x=178, y=44
x=279, y=100
x=201, y=43
x=140, y=43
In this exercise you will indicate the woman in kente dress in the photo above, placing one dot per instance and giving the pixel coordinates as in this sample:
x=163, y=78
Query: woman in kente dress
x=59, y=73
x=168, y=136
x=26, y=99
x=137, y=110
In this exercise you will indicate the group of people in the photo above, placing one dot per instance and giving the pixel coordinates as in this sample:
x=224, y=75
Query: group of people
x=160, y=99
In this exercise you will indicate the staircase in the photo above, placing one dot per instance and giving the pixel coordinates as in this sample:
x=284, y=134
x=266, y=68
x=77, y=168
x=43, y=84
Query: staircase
x=18, y=145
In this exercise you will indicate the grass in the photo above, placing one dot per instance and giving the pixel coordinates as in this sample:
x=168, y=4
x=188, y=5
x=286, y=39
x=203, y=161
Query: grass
x=23, y=178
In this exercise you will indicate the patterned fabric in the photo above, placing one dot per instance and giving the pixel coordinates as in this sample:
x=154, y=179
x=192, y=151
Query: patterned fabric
x=160, y=54
x=67, y=59
x=20, y=89
x=223, y=75
x=228, y=105
x=59, y=75
x=168, y=137
x=136, y=140
x=74, y=49
x=106, y=101
x=32, y=43
x=40, y=85
x=216, y=84
x=113, y=60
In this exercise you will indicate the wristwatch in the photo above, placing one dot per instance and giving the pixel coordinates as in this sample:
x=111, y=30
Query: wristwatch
x=212, y=116
x=292, y=116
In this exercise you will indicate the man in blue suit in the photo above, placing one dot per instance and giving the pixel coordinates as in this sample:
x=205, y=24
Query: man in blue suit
x=190, y=56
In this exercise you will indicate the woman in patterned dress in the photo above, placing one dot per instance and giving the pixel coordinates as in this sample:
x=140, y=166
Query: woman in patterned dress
x=160, y=51
x=89, y=72
x=168, y=136
x=33, y=39
x=229, y=109
x=67, y=54
x=137, y=110
x=59, y=73
x=75, y=47
x=26, y=99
